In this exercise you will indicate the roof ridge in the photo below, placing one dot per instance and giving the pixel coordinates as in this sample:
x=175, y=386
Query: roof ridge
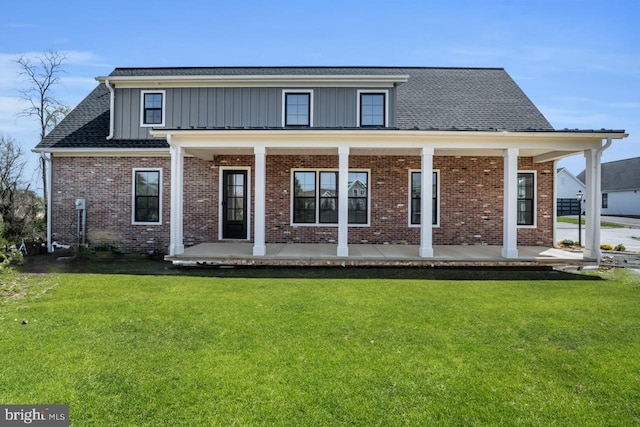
x=301, y=67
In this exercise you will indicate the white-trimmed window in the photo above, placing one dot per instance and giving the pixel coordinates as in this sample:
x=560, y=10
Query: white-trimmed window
x=297, y=108
x=415, y=198
x=527, y=198
x=152, y=108
x=315, y=197
x=147, y=196
x=373, y=108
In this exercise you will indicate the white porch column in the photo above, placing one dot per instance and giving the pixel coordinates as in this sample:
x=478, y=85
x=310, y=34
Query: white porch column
x=343, y=202
x=176, y=244
x=426, y=209
x=259, y=246
x=510, y=222
x=593, y=204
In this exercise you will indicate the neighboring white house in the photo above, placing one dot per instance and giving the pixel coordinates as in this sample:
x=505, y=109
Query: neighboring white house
x=567, y=188
x=620, y=187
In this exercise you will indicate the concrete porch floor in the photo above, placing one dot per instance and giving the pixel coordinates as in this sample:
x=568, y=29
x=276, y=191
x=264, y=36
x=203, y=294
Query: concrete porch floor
x=318, y=255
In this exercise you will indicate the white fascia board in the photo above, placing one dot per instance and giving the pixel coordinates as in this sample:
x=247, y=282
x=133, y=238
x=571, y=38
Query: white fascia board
x=104, y=152
x=569, y=142
x=255, y=81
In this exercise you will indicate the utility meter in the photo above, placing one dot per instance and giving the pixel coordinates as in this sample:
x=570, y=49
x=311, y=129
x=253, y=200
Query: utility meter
x=80, y=204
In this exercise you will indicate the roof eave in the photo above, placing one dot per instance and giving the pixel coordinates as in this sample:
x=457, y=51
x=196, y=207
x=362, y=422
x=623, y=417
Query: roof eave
x=258, y=80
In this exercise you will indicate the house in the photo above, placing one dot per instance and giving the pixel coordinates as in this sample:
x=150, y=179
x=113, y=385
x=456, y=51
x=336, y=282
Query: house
x=567, y=189
x=620, y=187
x=167, y=159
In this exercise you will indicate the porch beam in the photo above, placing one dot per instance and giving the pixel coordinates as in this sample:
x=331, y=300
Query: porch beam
x=176, y=244
x=426, y=209
x=259, y=246
x=510, y=221
x=343, y=202
x=553, y=155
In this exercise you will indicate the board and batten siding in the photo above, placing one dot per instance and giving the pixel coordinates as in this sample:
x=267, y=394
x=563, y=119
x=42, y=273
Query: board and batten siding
x=236, y=107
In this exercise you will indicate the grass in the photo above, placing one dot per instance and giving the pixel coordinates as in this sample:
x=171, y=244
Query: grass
x=184, y=350
x=603, y=224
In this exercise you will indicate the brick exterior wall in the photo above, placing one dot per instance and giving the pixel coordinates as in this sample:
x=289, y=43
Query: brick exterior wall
x=471, y=200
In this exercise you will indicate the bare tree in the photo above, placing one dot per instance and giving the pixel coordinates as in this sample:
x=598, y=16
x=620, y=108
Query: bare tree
x=18, y=204
x=42, y=73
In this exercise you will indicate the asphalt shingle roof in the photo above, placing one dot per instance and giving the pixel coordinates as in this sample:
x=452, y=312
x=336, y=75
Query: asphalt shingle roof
x=620, y=175
x=482, y=99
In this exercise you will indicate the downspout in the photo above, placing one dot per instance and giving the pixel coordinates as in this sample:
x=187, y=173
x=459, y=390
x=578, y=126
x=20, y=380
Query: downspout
x=554, y=234
x=112, y=98
x=48, y=163
x=605, y=146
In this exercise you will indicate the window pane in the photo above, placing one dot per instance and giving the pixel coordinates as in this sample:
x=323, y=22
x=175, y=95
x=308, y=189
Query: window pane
x=358, y=192
x=304, y=201
x=147, y=183
x=152, y=113
x=526, y=193
x=304, y=209
x=372, y=109
x=416, y=200
x=153, y=116
x=152, y=100
x=297, y=109
x=304, y=183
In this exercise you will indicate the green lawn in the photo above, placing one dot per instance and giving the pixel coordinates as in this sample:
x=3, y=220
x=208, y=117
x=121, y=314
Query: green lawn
x=183, y=350
x=603, y=224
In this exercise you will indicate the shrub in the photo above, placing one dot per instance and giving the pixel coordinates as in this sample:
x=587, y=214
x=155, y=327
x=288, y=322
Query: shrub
x=606, y=247
x=567, y=243
x=10, y=256
x=620, y=248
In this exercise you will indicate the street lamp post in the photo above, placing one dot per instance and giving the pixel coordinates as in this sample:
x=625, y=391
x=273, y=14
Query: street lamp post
x=579, y=196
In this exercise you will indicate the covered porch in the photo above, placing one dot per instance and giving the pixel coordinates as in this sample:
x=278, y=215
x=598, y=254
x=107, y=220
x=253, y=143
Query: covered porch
x=344, y=145
x=324, y=255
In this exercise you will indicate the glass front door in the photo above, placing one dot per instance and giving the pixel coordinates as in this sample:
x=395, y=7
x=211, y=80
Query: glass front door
x=234, y=204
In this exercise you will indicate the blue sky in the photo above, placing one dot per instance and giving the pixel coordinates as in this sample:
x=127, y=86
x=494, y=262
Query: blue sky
x=578, y=60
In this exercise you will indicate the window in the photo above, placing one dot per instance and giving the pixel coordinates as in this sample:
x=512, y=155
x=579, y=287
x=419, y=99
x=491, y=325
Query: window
x=416, y=200
x=526, y=198
x=605, y=200
x=304, y=197
x=358, y=200
x=147, y=196
x=315, y=197
x=372, y=109
x=152, y=108
x=298, y=109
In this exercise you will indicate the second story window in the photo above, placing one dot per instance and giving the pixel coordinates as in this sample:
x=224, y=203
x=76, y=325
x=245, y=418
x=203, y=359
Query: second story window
x=372, y=109
x=152, y=104
x=297, y=109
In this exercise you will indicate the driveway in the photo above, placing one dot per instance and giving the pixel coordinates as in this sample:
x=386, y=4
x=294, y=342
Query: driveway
x=628, y=236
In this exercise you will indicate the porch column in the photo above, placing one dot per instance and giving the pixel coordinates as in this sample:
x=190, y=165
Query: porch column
x=593, y=205
x=176, y=244
x=426, y=208
x=510, y=221
x=343, y=202
x=259, y=247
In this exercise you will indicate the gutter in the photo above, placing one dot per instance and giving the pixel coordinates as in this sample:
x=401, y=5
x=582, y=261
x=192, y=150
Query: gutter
x=112, y=99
